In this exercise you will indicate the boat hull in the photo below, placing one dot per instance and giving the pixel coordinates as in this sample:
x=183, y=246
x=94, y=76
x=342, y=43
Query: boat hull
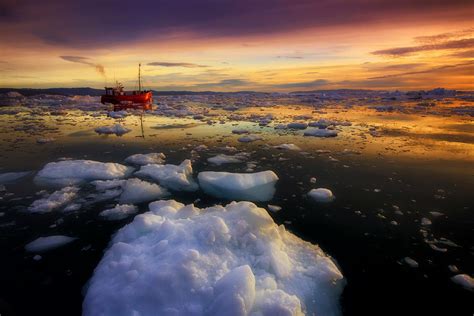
x=139, y=98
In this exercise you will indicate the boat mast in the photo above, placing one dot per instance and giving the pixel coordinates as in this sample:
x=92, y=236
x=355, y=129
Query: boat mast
x=139, y=79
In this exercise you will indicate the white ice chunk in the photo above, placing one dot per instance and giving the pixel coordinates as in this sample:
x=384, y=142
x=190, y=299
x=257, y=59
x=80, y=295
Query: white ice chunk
x=75, y=171
x=146, y=159
x=53, y=201
x=321, y=133
x=138, y=191
x=179, y=178
x=232, y=260
x=411, y=262
x=119, y=212
x=47, y=243
x=116, y=129
x=321, y=195
x=258, y=186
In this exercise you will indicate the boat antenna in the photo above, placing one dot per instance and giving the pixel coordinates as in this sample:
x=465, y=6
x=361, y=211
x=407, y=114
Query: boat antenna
x=139, y=80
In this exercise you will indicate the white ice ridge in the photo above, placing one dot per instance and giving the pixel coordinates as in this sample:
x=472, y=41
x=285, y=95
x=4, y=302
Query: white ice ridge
x=175, y=177
x=232, y=260
x=75, y=171
x=145, y=159
x=259, y=186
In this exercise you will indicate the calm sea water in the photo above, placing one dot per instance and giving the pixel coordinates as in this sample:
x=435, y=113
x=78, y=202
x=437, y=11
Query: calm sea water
x=384, y=162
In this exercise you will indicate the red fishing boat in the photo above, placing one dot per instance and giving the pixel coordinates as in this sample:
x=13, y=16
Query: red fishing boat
x=121, y=99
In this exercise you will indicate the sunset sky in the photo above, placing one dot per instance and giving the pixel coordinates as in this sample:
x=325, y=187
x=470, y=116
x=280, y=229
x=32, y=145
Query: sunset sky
x=223, y=45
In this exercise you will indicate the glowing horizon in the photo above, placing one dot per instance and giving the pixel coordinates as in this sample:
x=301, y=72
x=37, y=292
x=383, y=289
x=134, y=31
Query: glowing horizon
x=273, y=46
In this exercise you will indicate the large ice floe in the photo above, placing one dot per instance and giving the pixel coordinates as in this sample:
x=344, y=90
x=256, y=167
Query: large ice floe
x=259, y=186
x=69, y=172
x=232, y=260
x=175, y=177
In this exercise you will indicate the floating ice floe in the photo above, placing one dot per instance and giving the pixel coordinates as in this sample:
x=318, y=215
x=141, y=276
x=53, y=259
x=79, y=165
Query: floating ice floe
x=76, y=171
x=240, y=131
x=232, y=260
x=119, y=212
x=224, y=159
x=258, y=186
x=321, y=195
x=466, y=281
x=12, y=176
x=45, y=140
x=321, y=133
x=116, y=129
x=274, y=208
x=287, y=147
x=55, y=200
x=176, y=177
x=249, y=138
x=425, y=221
x=48, y=243
x=146, y=159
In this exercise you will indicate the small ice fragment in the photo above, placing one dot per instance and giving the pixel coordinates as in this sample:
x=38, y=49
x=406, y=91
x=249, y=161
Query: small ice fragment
x=320, y=133
x=145, y=159
x=47, y=243
x=312, y=180
x=453, y=268
x=119, y=212
x=297, y=125
x=410, y=262
x=249, y=138
x=274, y=208
x=12, y=176
x=436, y=214
x=466, y=281
x=425, y=221
x=54, y=201
x=240, y=131
x=116, y=129
x=321, y=195
x=224, y=159
x=287, y=147
x=37, y=258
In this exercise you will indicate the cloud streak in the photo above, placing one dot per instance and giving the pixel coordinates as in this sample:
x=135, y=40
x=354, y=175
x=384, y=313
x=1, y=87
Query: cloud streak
x=403, y=51
x=169, y=64
x=409, y=73
x=85, y=60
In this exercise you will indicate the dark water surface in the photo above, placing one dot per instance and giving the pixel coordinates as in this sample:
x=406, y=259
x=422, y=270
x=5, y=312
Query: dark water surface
x=371, y=178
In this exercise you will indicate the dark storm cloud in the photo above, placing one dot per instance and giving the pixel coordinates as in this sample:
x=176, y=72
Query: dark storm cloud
x=91, y=23
x=403, y=51
x=168, y=64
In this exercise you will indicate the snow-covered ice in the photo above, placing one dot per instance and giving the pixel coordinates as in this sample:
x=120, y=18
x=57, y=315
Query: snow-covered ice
x=55, y=200
x=116, y=129
x=119, y=212
x=175, y=177
x=321, y=195
x=75, y=171
x=258, y=186
x=47, y=243
x=146, y=159
x=233, y=260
